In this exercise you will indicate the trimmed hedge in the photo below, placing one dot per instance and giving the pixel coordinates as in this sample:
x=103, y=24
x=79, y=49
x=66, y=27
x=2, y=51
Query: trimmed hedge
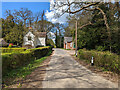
x=15, y=60
x=12, y=50
x=107, y=60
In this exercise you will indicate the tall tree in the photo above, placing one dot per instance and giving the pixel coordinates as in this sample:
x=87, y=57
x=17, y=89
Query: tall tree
x=23, y=14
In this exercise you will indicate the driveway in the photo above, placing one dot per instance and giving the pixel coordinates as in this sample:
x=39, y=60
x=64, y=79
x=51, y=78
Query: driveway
x=64, y=72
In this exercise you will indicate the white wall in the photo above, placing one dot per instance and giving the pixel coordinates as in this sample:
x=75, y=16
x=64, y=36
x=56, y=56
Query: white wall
x=29, y=42
x=42, y=41
x=34, y=40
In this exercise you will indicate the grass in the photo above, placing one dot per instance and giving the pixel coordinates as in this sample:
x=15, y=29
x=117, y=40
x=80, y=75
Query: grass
x=22, y=72
x=103, y=59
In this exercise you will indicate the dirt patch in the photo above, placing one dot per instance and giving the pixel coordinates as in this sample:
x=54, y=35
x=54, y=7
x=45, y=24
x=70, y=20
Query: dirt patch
x=113, y=77
x=34, y=80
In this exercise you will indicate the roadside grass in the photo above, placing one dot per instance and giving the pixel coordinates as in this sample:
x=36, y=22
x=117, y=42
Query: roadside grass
x=104, y=60
x=102, y=71
x=22, y=72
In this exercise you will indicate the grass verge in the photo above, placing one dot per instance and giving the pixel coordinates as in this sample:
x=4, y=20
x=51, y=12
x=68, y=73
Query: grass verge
x=113, y=77
x=23, y=71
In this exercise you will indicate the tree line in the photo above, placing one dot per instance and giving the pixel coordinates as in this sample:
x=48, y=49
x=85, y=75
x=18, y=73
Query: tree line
x=98, y=26
x=17, y=23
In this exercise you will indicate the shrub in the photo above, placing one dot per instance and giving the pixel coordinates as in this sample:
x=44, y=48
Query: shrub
x=15, y=60
x=51, y=43
x=107, y=60
x=100, y=48
x=12, y=50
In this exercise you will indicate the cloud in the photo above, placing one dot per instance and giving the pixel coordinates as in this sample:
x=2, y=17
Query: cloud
x=51, y=15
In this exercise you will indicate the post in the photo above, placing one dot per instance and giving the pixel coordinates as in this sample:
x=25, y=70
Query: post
x=56, y=39
x=76, y=39
x=92, y=63
x=60, y=41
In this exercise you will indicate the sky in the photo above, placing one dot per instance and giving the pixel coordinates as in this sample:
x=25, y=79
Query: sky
x=33, y=6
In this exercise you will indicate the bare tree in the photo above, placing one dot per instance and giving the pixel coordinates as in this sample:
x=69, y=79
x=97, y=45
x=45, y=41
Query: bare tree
x=36, y=19
x=23, y=14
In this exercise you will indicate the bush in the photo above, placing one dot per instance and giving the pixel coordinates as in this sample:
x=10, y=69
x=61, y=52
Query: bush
x=107, y=60
x=100, y=48
x=51, y=43
x=15, y=60
x=12, y=50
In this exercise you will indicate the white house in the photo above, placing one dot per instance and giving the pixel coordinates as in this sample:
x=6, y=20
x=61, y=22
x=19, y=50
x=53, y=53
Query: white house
x=2, y=42
x=52, y=36
x=33, y=39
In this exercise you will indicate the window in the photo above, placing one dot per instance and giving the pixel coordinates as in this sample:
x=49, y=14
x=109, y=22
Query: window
x=29, y=38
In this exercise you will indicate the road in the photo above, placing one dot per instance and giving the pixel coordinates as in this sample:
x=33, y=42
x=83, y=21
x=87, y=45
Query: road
x=64, y=72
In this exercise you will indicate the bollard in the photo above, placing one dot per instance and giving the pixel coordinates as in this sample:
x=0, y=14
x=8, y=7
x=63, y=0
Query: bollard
x=76, y=53
x=92, y=63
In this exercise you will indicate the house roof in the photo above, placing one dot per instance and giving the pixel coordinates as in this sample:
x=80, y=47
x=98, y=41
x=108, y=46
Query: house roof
x=67, y=39
x=40, y=34
x=37, y=33
x=2, y=41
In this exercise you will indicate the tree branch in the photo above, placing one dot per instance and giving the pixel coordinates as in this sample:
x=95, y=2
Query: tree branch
x=105, y=18
x=106, y=23
x=83, y=7
x=85, y=25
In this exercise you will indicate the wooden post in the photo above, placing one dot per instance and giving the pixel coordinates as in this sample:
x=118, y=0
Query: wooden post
x=76, y=39
x=56, y=38
x=60, y=41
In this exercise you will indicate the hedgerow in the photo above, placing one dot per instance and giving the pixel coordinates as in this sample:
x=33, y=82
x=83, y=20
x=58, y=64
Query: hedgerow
x=12, y=50
x=108, y=61
x=15, y=60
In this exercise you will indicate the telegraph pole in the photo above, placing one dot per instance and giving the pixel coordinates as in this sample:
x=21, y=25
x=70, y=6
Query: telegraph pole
x=76, y=38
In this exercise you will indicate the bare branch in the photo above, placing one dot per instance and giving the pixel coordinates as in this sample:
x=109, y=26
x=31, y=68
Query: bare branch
x=84, y=7
x=85, y=25
x=105, y=18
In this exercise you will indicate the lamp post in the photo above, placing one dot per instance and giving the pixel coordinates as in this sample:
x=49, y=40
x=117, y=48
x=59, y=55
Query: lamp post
x=76, y=39
x=76, y=24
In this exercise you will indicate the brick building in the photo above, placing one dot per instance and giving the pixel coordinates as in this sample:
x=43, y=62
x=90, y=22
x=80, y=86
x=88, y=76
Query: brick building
x=68, y=43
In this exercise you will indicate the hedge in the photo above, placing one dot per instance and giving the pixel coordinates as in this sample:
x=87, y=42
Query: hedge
x=12, y=50
x=106, y=60
x=15, y=60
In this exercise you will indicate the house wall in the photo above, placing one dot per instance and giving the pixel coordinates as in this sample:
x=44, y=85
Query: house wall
x=64, y=45
x=29, y=42
x=35, y=41
x=42, y=41
x=68, y=45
